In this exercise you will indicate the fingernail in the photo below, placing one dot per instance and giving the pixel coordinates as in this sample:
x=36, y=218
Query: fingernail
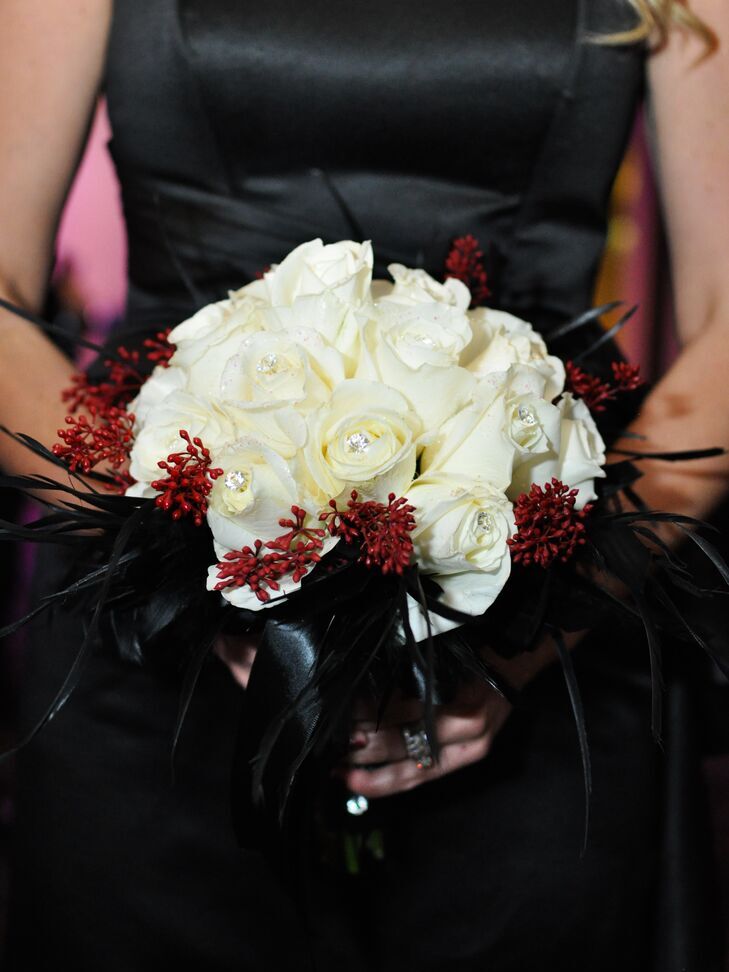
x=358, y=740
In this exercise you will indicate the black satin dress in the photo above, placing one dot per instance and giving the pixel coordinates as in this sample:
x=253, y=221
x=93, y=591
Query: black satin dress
x=241, y=130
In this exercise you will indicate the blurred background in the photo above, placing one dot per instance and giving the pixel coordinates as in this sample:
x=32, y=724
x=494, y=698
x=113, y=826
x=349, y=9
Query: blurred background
x=88, y=294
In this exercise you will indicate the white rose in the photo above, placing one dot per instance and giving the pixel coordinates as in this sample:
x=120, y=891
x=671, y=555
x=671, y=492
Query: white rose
x=247, y=503
x=534, y=427
x=461, y=539
x=327, y=328
x=279, y=426
x=363, y=439
x=206, y=342
x=160, y=436
x=343, y=268
x=501, y=340
x=272, y=367
x=255, y=491
x=576, y=457
x=582, y=451
x=476, y=442
x=217, y=424
x=161, y=383
x=244, y=597
x=415, y=349
x=415, y=286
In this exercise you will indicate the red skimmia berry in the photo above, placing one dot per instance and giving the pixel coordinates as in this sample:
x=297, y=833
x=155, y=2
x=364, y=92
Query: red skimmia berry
x=595, y=392
x=548, y=525
x=465, y=263
x=626, y=376
x=84, y=444
x=159, y=348
x=123, y=380
x=381, y=529
x=261, y=566
x=185, y=489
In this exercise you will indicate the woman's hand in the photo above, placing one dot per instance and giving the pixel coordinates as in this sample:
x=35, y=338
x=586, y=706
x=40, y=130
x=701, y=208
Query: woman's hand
x=465, y=729
x=377, y=764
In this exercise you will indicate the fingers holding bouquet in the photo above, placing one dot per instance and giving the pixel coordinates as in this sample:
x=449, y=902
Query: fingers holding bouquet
x=394, y=755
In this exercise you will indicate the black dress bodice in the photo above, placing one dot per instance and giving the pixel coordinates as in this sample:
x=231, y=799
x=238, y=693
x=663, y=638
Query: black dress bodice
x=241, y=130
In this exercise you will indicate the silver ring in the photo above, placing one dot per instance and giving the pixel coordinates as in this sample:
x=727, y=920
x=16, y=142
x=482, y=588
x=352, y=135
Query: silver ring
x=417, y=746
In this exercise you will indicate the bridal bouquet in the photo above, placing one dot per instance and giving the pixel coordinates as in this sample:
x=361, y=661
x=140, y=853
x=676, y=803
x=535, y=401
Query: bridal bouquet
x=377, y=473
x=317, y=406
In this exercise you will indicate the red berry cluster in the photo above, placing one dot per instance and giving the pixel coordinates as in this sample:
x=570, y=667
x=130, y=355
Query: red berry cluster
x=123, y=380
x=185, y=489
x=108, y=436
x=595, y=392
x=548, y=526
x=465, y=263
x=159, y=349
x=84, y=445
x=382, y=530
x=120, y=386
x=626, y=376
x=262, y=566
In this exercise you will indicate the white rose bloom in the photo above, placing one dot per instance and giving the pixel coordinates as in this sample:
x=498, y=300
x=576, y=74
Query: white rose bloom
x=582, y=451
x=344, y=269
x=326, y=327
x=206, y=342
x=363, y=439
x=160, y=436
x=255, y=491
x=501, y=340
x=415, y=349
x=576, y=456
x=475, y=442
x=279, y=426
x=415, y=286
x=272, y=367
x=534, y=427
x=217, y=424
x=461, y=539
x=161, y=383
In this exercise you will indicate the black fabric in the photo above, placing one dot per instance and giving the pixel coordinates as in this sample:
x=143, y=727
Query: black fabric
x=241, y=130
x=405, y=123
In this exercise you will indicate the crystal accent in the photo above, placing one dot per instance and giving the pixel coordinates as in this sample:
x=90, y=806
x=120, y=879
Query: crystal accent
x=236, y=481
x=526, y=415
x=357, y=805
x=268, y=365
x=484, y=521
x=358, y=442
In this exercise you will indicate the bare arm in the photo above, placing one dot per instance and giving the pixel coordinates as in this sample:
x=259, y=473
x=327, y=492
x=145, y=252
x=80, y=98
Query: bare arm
x=689, y=101
x=51, y=63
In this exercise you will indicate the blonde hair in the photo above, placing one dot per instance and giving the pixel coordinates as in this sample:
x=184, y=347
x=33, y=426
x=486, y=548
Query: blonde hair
x=657, y=17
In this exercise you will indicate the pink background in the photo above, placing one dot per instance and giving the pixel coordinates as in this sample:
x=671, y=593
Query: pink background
x=91, y=239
